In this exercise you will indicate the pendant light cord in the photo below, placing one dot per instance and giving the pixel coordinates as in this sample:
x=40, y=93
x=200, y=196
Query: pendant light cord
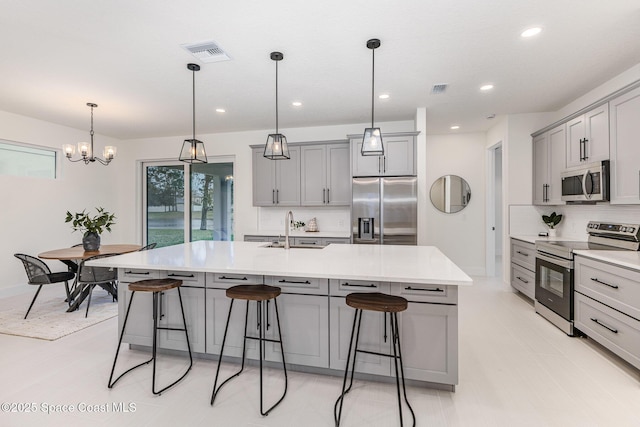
x=276, y=97
x=193, y=74
x=373, y=79
x=91, y=132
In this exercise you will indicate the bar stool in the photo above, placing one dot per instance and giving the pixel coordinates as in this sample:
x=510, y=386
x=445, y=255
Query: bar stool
x=261, y=294
x=384, y=303
x=156, y=286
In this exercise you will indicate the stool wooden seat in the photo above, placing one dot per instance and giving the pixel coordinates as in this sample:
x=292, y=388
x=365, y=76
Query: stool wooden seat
x=382, y=303
x=376, y=301
x=157, y=287
x=262, y=295
x=253, y=292
x=154, y=285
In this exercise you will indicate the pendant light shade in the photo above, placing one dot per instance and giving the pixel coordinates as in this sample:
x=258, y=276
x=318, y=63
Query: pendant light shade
x=276, y=147
x=192, y=149
x=372, y=139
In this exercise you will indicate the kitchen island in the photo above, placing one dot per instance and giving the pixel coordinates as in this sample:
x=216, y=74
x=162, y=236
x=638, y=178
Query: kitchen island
x=315, y=319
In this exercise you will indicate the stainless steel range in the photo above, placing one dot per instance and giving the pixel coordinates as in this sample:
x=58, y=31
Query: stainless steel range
x=554, y=267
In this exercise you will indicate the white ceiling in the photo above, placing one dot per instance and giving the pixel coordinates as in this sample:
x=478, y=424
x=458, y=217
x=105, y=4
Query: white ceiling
x=126, y=56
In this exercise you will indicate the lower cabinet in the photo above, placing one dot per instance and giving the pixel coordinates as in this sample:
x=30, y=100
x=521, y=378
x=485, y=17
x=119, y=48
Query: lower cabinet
x=523, y=267
x=140, y=323
x=171, y=317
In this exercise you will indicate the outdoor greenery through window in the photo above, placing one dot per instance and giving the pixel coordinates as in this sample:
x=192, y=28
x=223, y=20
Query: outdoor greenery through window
x=25, y=160
x=187, y=202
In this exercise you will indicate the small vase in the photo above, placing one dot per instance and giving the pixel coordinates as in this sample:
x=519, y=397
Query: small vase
x=552, y=232
x=91, y=242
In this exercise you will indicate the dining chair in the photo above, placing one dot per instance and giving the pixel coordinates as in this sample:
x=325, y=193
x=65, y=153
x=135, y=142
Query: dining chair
x=89, y=277
x=149, y=246
x=39, y=274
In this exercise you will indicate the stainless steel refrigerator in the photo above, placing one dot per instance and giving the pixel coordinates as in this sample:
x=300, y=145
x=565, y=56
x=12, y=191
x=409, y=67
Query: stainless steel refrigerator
x=384, y=210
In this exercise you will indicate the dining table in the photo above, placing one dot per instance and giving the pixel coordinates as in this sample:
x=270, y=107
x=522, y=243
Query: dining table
x=75, y=254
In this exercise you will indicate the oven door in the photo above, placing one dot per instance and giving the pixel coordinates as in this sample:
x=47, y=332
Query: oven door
x=554, y=284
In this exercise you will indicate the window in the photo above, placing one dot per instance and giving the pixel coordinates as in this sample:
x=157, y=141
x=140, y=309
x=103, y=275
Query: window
x=27, y=160
x=185, y=202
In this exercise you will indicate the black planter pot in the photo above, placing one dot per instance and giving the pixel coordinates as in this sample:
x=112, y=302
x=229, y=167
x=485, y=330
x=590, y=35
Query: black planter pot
x=91, y=242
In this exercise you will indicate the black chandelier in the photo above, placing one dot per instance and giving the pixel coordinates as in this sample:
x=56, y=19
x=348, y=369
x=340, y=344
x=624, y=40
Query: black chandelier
x=85, y=149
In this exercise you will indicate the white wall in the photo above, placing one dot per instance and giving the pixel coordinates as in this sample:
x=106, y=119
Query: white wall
x=33, y=209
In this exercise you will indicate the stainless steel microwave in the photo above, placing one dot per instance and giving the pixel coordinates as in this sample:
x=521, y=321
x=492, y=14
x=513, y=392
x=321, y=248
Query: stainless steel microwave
x=586, y=183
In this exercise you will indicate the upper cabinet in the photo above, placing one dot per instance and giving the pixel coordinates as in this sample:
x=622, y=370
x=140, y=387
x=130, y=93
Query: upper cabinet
x=588, y=137
x=548, y=164
x=276, y=182
x=625, y=148
x=325, y=179
x=399, y=156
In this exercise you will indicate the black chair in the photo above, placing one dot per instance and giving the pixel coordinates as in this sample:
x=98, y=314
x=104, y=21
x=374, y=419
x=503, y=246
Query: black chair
x=90, y=277
x=146, y=248
x=39, y=274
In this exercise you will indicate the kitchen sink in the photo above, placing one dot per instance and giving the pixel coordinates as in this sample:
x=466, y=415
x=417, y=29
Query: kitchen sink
x=281, y=246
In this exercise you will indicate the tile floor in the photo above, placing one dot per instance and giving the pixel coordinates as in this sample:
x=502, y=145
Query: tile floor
x=516, y=369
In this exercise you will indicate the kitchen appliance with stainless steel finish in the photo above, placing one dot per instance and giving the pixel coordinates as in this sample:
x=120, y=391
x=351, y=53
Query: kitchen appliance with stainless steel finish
x=587, y=183
x=384, y=210
x=554, y=267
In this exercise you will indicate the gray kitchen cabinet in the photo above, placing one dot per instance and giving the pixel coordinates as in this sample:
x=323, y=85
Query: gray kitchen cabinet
x=625, y=149
x=588, y=137
x=193, y=300
x=276, y=182
x=399, y=156
x=140, y=324
x=325, y=178
x=258, y=238
x=523, y=267
x=307, y=241
x=335, y=240
x=549, y=151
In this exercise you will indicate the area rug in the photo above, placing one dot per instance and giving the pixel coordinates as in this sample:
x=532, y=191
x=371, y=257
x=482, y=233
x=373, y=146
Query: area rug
x=48, y=319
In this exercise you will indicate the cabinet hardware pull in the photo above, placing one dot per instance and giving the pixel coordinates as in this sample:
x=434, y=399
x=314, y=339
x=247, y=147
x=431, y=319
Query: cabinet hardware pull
x=384, y=164
x=327, y=196
x=585, y=149
x=141, y=273
x=232, y=278
x=324, y=198
x=277, y=197
x=615, y=331
x=359, y=286
x=379, y=169
x=522, y=253
x=273, y=197
x=300, y=282
x=180, y=275
x=521, y=279
x=409, y=288
x=595, y=279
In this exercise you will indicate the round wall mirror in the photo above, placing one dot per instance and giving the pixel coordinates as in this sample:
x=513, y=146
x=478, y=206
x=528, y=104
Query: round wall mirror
x=450, y=194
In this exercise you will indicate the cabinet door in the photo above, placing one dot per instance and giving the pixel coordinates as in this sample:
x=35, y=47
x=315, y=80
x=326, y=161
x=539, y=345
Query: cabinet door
x=313, y=184
x=364, y=165
x=557, y=164
x=307, y=241
x=373, y=337
x=625, y=148
x=597, y=134
x=338, y=179
x=429, y=342
x=540, y=168
x=287, y=179
x=399, y=155
x=171, y=317
x=140, y=323
x=576, y=131
x=335, y=240
x=263, y=179
x=304, y=320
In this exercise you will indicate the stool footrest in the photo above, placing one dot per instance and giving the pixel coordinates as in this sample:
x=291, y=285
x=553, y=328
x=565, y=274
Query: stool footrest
x=163, y=328
x=375, y=353
x=263, y=339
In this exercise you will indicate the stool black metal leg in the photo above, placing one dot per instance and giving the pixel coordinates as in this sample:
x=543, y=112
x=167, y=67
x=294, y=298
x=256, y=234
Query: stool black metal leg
x=337, y=412
x=224, y=340
x=115, y=359
x=284, y=367
x=394, y=339
x=155, y=338
x=396, y=334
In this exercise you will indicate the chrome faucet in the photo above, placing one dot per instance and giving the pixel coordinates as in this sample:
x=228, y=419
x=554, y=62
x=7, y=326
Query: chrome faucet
x=288, y=220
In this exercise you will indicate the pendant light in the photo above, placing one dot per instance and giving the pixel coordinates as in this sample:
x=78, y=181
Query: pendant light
x=372, y=139
x=86, y=149
x=193, y=149
x=276, y=147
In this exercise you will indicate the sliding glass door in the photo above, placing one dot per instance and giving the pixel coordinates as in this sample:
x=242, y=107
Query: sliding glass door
x=185, y=202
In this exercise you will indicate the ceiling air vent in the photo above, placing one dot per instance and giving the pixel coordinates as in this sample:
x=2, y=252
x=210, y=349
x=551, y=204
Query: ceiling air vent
x=207, y=51
x=439, y=88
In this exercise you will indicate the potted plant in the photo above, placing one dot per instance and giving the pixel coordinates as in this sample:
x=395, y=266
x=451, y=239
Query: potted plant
x=551, y=221
x=92, y=227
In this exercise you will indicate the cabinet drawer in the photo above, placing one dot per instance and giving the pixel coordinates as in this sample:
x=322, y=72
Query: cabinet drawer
x=307, y=241
x=254, y=238
x=299, y=285
x=523, y=280
x=227, y=280
x=523, y=254
x=342, y=288
x=128, y=275
x=336, y=240
x=614, y=330
x=441, y=294
x=614, y=286
x=189, y=278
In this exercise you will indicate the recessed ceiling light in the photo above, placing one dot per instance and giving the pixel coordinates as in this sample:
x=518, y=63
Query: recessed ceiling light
x=220, y=110
x=486, y=87
x=530, y=32
x=384, y=96
x=296, y=103
x=455, y=127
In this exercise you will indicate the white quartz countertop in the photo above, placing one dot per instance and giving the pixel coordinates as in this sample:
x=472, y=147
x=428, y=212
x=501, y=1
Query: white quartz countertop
x=629, y=259
x=301, y=233
x=407, y=264
x=533, y=238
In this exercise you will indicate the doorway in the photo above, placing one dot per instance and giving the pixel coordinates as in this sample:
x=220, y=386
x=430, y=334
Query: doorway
x=495, y=212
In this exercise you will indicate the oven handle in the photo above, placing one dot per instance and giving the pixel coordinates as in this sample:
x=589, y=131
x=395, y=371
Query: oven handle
x=554, y=260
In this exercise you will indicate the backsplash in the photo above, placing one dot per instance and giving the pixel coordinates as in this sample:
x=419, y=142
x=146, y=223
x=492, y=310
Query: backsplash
x=328, y=219
x=527, y=219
